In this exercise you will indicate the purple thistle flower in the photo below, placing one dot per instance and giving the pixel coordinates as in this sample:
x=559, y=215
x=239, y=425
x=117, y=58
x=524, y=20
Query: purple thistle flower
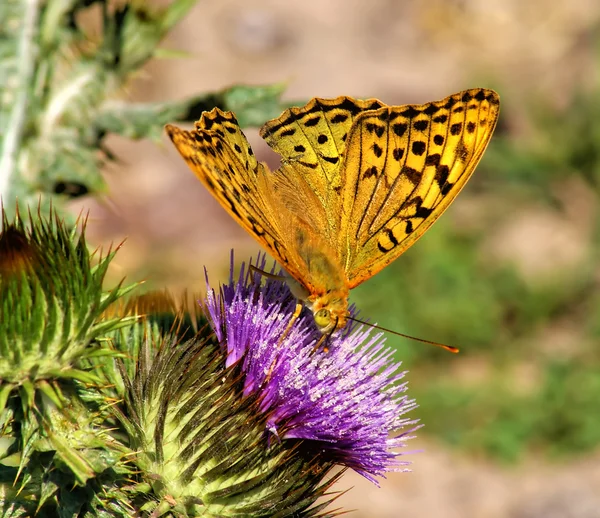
x=348, y=399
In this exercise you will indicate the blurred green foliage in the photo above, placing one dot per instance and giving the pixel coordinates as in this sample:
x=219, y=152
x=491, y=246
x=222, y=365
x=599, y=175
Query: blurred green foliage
x=557, y=418
x=511, y=390
x=63, y=67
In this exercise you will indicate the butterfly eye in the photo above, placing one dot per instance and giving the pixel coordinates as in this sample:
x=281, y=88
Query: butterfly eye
x=323, y=318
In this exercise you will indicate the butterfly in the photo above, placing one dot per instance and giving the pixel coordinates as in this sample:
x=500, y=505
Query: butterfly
x=359, y=183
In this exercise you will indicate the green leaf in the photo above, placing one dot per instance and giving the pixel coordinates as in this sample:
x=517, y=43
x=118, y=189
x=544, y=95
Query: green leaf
x=76, y=462
x=50, y=392
x=5, y=391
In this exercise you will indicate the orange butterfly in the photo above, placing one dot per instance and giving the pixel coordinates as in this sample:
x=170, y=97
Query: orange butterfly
x=359, y=183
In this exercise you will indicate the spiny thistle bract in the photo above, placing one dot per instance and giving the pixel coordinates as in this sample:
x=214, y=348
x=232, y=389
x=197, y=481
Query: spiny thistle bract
x=163, y=411
x=51, y=306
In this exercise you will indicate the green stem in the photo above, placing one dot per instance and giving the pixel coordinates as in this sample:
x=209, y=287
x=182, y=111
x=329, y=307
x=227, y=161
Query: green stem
x=26, y=62
x=66, y=98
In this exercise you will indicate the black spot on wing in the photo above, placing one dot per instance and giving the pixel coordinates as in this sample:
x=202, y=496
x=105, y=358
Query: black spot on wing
x=450, y=102
x=433, y=159
x=384, y=116
x=412, y=174
x=375, y=128
x=432, y=109
x=462, y=153
x=447, y=187
x=310, y=165
x=421, y=125
x=232, y=205
x=338, y=118
x=346, y=105
x=418, y=147
x=423, y=212
x=398, y=153
x=441, y=175
x=492, y=98
x=312, y=121
x=411, y=112
x=417, y=203
x=456, y=128
x=399, y=129
x=480, y=95
x=370, y=173
x=375, y=105
x=393, y=241
x=279, y=250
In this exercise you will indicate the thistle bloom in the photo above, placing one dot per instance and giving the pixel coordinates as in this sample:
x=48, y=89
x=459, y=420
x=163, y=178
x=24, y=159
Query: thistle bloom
x=349, y=401
x=155, y=413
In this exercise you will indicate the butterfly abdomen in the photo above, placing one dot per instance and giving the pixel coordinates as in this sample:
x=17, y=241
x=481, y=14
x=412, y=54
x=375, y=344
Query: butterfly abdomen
x=320, y=260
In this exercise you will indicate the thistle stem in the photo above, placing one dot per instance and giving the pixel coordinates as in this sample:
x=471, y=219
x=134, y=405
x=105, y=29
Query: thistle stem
x=26, y=68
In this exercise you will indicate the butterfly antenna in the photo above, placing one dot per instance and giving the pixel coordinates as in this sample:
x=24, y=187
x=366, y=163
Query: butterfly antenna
x=254, y=269
x=449, y=348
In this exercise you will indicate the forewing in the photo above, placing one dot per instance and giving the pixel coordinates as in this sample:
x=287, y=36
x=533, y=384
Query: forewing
x=312, y=140
x=219, y=154
x=402, y=168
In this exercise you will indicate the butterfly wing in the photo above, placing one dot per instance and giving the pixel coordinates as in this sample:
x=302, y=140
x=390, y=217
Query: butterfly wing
x=218, y=153
x=311, y=141
x=360, y=182
x=403, y=166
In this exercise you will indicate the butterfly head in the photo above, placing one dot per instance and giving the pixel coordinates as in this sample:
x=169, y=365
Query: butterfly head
x=329, y=308
x=329, y=313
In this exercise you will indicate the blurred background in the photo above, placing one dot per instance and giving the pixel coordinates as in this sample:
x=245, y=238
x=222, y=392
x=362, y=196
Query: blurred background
x=509, y=274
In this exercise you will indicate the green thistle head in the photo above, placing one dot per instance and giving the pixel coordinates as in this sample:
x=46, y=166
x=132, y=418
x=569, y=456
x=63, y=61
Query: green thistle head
x=51, y=301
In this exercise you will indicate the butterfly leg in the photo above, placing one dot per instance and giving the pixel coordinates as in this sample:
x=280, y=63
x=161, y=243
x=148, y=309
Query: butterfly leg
x=254, y=269
x=292, y=321
x=323, y=340
x=295, y=316
x=299, y=305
